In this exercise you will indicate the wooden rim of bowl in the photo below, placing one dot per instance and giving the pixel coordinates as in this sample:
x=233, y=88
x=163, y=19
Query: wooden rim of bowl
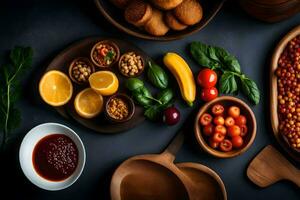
x=117, y=49
x=85, y=59
x=130, y=104
x=274, y=93
x=193, y=29
x=143, y=64
x=203, y=144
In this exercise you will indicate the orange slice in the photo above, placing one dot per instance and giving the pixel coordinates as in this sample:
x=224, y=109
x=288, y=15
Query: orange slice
x=88, y=103
x=104, y=82
x=55, y=88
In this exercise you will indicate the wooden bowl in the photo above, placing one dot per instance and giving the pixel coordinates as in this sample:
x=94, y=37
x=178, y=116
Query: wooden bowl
x=84, y=59
x=126, y=75
x=274, y=93
x=126, y=99
x=245, y=110
x=115, y=17
x=111, y=44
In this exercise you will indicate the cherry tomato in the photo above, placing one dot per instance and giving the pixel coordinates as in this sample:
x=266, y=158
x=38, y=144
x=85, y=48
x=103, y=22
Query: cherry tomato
x=171, y=116
x=226, y=145
x=217, y=109
x=241, y=120
x=205, y=119
x=218, y=137
x=103, y=51
x=208, y=94
x=229, y=121
x=244, y=130
x=234, y=131
x=207, y=78
x=237, y=141
x=208, y=130
x=234, y=111
x=219, y=120
x=213, y=144
x=220, y=129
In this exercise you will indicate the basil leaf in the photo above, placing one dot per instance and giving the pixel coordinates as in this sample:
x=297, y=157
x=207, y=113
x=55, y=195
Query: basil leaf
x=157, y=76
x=153, y=113
x=134, y=84
x=200, y=53
x=232, y=63
x=250, y=89
x=227, y=84
x=165, y=96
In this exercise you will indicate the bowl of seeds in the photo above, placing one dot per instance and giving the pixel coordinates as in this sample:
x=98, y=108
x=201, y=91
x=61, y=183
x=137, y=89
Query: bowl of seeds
x=131, y=64
x=119, y=108
x=80, y=70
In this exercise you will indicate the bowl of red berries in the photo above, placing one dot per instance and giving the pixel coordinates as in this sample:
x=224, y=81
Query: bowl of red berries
x=225, y=127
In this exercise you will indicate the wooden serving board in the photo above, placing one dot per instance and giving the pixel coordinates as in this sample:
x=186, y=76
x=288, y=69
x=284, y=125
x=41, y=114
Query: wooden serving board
x=274, y=93
x=82, y=49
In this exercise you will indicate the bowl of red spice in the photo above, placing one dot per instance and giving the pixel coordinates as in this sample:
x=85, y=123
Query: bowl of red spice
x=119, y=108
x=105, y=54
x=285, y=93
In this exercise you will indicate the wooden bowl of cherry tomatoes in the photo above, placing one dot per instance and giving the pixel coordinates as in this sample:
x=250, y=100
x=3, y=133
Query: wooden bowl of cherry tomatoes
x=225, y=127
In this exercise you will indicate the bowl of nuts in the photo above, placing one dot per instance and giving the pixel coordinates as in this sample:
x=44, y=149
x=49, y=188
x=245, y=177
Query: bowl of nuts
x=119, y=108
x=80, y=70
x=131, y=64
x=105, y=54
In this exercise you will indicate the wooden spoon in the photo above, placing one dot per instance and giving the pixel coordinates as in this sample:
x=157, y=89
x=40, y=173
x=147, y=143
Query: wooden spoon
x=270, y=166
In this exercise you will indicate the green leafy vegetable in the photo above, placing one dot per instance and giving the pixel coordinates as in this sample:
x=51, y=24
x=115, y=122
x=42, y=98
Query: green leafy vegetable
x=157, y=76
x=217, y=58
x=109, y=56
x=10, y=117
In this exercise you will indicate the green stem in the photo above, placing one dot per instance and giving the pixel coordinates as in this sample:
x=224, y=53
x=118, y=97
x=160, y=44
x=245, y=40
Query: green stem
x=156, y=100
x=6, y=117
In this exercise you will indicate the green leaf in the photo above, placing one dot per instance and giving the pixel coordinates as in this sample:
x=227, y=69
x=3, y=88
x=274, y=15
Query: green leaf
x=232, y=63
x=227, y=83
x=157, y=76
x=21, y=57
x=250, y=89
x=14, y=119
x=200, y=52
x=153, y=113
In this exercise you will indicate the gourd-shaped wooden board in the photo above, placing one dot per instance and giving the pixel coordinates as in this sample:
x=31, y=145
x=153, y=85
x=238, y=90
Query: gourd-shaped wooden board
x=274, y=93
x=82, y=48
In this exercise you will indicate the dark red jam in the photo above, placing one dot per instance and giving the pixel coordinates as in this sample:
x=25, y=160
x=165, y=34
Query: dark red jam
x=55, y=157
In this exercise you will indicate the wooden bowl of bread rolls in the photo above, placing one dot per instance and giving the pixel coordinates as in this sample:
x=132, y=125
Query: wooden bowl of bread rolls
x=159, y=19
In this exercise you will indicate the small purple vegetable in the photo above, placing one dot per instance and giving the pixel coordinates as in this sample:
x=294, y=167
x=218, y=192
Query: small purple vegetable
x=171, y=116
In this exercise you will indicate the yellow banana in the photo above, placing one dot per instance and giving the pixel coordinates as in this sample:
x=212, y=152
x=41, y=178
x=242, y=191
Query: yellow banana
x=184, y=76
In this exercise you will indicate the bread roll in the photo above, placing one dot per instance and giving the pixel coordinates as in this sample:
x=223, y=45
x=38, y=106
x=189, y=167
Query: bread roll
x=138, y=12
x=166, y=4
x=156, y=25
x=173, y=23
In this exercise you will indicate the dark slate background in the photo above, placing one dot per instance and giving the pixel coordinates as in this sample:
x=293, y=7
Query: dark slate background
x=50, y=26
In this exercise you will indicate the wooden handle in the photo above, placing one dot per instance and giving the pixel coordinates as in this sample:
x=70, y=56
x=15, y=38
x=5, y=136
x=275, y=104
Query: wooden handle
x=294, y=176
x=174, y=146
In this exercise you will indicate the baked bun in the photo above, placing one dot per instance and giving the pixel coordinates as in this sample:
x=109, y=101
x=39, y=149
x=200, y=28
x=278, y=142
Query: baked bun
x=173, y=23
x=166, y=4
x=138, y=12
x=189, y=12
x=156, y=25
x=120, y=3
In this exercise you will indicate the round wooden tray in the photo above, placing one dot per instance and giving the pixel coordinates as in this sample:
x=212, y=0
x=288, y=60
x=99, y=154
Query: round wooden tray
x=82, y=49
x=115, y=17
x=273, y=94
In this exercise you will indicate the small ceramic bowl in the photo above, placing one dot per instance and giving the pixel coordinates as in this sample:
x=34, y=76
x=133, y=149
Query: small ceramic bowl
x=226, y=101
x=110, y=43
x=126, y=99
x=128, y=75
x=83, y=59
x=26, y=152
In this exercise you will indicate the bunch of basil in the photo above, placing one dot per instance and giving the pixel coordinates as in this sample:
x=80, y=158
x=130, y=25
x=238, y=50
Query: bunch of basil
x=217, y=58
x=154, y=106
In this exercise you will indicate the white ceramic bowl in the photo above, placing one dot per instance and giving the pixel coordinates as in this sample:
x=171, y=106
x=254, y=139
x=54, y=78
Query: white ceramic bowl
x=27, y=147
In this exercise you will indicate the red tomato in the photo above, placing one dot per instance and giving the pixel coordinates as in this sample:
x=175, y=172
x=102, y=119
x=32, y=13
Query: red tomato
x=208, y=94
x=234, y=131
x=219, y=120
x=226, y=145
x=241, y=120
x=217, y=109
x=237, y=141
x=207, y=78
x=218, y=137
x=229, y=121
x=213, y=144
x=220, y=129
x=208, y=130
x=234, y=111
x=205, y=119
x=244, y=130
